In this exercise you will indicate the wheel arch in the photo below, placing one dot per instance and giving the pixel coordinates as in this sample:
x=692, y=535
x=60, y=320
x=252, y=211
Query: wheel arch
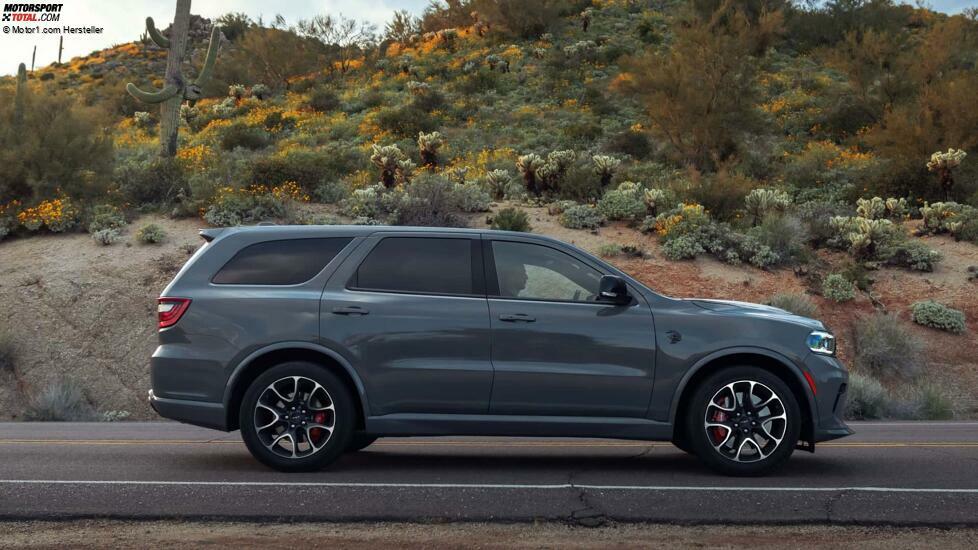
x=261, y=360
x=771, y=361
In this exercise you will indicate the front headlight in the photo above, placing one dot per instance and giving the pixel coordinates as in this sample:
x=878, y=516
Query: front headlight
x=821, y=342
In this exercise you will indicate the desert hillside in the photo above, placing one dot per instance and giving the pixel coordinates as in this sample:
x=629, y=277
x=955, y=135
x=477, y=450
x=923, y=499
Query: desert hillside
x=821, y=157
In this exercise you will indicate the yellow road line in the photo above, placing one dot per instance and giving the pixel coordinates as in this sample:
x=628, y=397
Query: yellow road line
x=97, y=442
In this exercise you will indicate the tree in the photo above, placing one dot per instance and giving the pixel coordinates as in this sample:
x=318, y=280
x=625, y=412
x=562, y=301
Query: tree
x=402, y=26
x=699, y=94
x=342, y=39
x=272, y=56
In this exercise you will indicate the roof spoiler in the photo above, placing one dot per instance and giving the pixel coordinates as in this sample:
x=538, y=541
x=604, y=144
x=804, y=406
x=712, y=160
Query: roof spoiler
x=211, y=233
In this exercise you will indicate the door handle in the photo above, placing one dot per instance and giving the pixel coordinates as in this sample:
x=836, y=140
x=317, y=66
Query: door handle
x=516, y=318
x=350, y=310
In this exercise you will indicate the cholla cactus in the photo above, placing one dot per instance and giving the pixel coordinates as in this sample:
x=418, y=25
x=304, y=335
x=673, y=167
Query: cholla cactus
x=260, y=91
x=188, y=114
x=142, y=119
x=457, y=174
x=176, y=88
x=865, y=236
x=653, y=199
x=553, y=171
x=389, y=159
x=539, y=53
x=761, y=202
x=405, y=171
x=583, y=50
x=944, y=164
x=497, y=181
x=878, y=208
x=237, y=91
x=428, y=145
x=938, y=217
x=605, y=167
x=418, y=88
x=224, y=108
x=586, y=18
x=480, y=26
x=528, y=165
x=497, y=62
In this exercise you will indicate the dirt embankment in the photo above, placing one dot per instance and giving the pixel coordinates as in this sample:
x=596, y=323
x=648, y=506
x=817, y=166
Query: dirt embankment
x=73, y=307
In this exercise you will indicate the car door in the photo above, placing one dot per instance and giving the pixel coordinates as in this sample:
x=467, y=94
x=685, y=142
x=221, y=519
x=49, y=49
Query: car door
x=556, y=349
x=409, y=312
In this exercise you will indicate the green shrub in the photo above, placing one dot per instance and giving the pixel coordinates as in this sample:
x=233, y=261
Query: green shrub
x=799, y=304
x=406, y=121
x=913, y=255
x=323, y=100
x=62, y=400
x=253, y=204
x=817, y=217
x=683, y=247
x=306, y=167
x=429, y=201
x=106, y=216
x=151, y=234
x=156, y=181
x=785, y=235
x=866, y=399
x=106, y=237
x=331, y=192
x=937, y=315
x=581, y=216
x=240, y=134
x=624, y=203
x=470, y=197
x=511, y=219
x=925, y=401
x=837, y=288
x=885, y=348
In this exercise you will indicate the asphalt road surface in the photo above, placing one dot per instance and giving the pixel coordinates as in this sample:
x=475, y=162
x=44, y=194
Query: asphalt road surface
x=917, y=473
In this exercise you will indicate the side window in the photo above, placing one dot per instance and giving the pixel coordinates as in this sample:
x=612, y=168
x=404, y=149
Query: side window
x=418, y=264
x=283, y=262
x=538, y=272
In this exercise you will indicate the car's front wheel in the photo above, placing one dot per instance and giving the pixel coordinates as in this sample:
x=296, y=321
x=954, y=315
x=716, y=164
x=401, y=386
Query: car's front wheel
x=743, y=421
x=297, y=417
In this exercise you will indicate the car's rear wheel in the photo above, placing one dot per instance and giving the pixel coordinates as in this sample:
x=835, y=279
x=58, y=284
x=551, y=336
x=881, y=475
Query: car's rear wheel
x=297, y=417
x=743, y=421
x=359, y=442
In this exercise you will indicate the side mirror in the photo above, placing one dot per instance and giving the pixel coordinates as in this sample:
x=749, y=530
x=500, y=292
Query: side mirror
x=613, y=289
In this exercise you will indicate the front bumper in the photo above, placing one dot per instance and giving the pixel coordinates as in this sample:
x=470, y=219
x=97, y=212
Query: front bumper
x=198, y=413
x=831, y=382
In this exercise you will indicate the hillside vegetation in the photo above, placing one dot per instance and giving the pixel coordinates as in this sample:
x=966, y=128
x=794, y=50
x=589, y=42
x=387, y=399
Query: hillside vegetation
x=821, y=158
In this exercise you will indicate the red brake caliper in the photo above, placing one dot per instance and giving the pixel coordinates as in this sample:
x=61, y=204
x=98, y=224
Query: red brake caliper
x=318, y=418
x=718, y=434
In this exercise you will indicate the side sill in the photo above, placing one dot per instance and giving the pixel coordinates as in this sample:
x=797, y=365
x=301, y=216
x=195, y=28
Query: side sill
x=417, y=424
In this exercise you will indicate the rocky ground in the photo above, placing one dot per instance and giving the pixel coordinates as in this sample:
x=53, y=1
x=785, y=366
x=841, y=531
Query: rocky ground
x=73, y=307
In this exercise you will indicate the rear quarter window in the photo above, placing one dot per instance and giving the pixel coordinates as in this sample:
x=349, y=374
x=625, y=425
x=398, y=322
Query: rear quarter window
x=281, y=262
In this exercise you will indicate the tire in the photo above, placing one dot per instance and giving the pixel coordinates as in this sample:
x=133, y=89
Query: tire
x=681, y=443
x=359, y=442
x=297, y=402
x=717, y=418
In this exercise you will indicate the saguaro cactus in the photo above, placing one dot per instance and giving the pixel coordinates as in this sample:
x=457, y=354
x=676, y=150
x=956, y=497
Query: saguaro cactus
x=61, y=47
x=175, y=88
x=21, y=96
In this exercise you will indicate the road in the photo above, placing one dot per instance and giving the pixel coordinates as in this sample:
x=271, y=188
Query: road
x=889, y=473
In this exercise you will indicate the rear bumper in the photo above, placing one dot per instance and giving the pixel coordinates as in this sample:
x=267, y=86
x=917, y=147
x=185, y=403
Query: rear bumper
x=198, y=413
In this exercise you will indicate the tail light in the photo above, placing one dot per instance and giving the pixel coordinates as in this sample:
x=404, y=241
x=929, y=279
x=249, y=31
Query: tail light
x=170, y=310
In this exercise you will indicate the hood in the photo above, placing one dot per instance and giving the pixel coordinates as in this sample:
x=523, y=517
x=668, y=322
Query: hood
x=748, y=308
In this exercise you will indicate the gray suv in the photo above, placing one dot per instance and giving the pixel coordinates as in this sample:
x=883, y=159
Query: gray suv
x=315, y=341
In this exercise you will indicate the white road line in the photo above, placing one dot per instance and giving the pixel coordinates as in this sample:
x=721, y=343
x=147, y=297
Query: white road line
x=556, y=486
